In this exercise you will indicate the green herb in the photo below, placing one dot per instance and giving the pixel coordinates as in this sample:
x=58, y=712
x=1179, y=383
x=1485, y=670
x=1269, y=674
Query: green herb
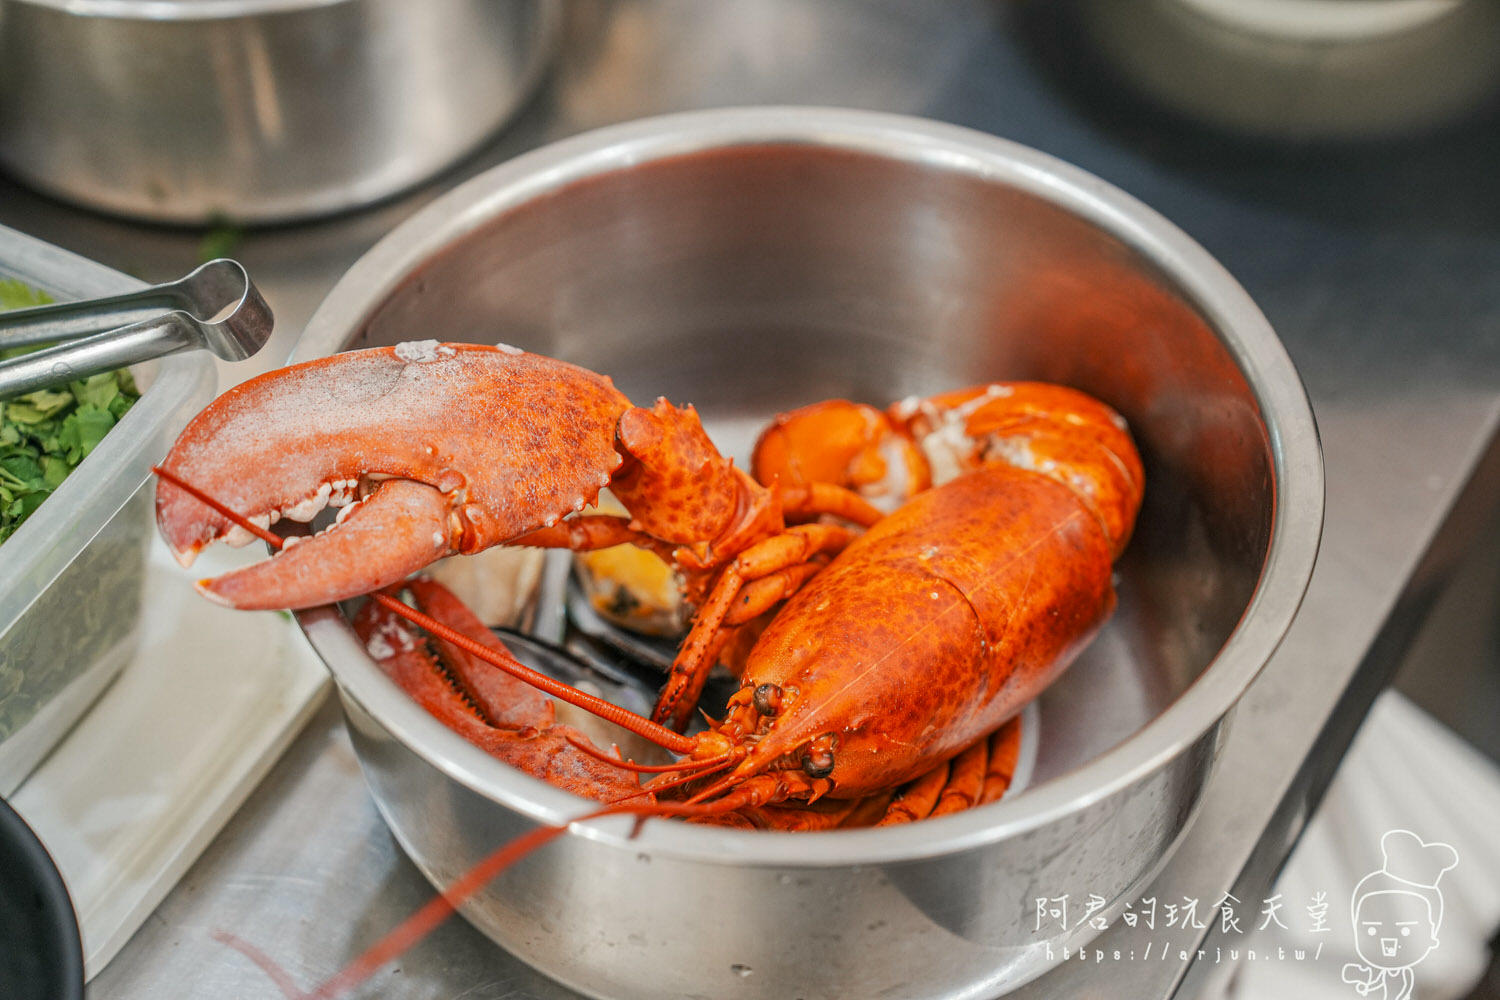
x=221, y=240
x=15, y=295
x=45, y=434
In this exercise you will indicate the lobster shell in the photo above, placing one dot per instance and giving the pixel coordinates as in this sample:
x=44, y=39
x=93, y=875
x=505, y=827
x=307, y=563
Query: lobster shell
x=935, y=626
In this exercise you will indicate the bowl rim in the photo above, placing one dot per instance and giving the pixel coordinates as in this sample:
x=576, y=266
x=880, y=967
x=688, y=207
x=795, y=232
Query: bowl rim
x=56, y=918
x=180, y=11
x=1298, y=495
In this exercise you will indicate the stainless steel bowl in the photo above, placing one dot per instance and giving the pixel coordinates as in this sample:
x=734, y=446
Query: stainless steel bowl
x=256, y=110
x=753, y=260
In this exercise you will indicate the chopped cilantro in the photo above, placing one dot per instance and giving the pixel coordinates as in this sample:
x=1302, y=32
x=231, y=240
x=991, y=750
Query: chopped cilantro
x=16, y=295
x=45, y=434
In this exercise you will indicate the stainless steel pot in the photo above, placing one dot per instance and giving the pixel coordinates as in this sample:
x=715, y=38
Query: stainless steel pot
x=256, y=110
x=1300, y=69
x=753, y=260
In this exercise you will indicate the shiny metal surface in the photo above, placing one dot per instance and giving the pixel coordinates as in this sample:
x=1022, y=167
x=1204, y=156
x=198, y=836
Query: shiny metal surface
x=184, y=111
x=218, y=287
x=221, y=311
x=751, y=260
x=1299, y=69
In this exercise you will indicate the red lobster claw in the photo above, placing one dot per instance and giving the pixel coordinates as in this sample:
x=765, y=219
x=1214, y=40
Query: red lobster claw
x=430, y=448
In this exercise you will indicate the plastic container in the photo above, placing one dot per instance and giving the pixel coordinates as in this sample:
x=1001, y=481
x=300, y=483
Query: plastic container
x=70, y=577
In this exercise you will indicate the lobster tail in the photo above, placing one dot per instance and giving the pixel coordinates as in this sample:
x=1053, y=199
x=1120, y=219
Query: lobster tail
x=1061, y=433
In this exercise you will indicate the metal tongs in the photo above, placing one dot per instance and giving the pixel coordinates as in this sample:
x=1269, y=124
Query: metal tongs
x=216, y=307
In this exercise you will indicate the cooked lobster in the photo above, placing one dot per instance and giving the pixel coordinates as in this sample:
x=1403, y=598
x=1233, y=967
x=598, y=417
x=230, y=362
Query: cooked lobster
x=896, y=653
x=917, y=640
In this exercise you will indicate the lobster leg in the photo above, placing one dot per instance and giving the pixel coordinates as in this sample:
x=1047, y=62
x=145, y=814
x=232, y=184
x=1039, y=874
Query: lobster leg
x=965, y=779
x=752, y=609
x=917, y=799
x=978, y=775
x=813, y=499
x=793, y=547
x=588, y=532
x=759, y=596
x=827, y=814
x=1005, y=751
x=869, y=810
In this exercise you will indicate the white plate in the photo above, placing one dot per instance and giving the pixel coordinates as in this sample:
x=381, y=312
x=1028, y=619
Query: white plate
x=145, y=781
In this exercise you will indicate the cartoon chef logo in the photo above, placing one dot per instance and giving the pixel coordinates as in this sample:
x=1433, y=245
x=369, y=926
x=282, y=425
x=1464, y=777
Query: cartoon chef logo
x=1397, y=912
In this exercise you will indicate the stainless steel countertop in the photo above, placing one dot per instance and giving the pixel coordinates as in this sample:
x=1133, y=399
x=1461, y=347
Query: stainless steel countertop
x=1379, y=268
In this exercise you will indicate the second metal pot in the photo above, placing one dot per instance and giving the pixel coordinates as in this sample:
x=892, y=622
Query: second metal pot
x=256, y=110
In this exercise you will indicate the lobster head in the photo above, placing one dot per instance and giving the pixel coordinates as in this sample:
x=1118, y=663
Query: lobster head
x=430, y=449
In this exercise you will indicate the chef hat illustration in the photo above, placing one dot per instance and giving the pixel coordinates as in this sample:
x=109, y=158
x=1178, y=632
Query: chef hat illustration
x=1409, y=864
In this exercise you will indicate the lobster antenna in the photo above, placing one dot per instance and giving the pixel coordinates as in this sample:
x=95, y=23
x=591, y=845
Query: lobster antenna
x=642, y=727
x=609, y=712
x=652, y=788
x=588, y=749
x=264, y=534
x=723, y=785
